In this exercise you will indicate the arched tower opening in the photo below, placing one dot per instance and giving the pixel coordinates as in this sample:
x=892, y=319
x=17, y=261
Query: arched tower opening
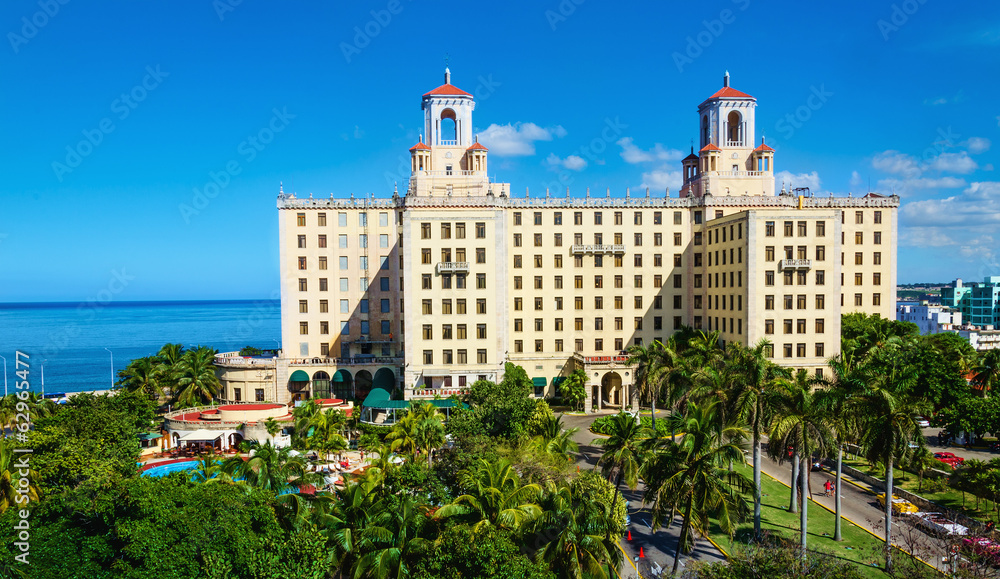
x=734, y=129
x=448, y=128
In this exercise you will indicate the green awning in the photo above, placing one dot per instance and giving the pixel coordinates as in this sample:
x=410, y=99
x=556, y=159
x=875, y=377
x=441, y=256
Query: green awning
x=338, y=377
x=299, y=376
x=150, y=435
x=539, y=382
x=558, y=380
x=379, y=398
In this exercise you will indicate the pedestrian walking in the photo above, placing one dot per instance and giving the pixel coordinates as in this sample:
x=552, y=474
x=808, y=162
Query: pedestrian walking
x=827, y=485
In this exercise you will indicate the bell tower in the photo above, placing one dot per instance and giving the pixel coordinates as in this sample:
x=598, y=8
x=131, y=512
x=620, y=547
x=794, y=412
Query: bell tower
x=448, y=115
x=726, y=118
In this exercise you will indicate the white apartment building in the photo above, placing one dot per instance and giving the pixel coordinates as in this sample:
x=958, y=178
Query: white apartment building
x=930, y=319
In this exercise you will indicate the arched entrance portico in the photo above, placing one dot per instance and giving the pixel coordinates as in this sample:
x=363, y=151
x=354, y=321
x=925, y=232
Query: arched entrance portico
x=611, y=389
x=321, y=385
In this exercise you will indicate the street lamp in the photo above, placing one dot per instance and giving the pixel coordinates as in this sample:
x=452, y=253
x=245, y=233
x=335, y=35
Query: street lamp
x=112, y=368
x=4, y=376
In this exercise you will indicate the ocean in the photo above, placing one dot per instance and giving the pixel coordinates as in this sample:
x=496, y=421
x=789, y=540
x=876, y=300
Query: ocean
x=72, y=340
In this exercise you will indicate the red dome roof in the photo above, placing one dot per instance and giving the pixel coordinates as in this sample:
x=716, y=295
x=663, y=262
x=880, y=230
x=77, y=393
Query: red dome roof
x=728, y=92
x=763, y=147
x=420, y=146
x=477, y=146
x=709, y=147
x=447, y=89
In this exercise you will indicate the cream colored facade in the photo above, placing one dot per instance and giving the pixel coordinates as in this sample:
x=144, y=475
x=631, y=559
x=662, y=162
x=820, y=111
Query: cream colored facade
x=462, y=276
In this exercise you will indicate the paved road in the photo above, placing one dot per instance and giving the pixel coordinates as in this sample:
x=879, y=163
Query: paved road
x=658, y=545
x=859, y=504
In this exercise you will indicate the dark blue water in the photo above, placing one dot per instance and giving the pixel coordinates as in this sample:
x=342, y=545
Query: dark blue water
x=70, y=338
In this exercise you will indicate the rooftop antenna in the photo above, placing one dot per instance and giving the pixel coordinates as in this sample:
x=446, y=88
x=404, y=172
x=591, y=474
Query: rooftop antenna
x=447, y=71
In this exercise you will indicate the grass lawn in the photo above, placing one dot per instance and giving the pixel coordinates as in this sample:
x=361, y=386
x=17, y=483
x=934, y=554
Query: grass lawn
x=858, y=545
x=949, y=497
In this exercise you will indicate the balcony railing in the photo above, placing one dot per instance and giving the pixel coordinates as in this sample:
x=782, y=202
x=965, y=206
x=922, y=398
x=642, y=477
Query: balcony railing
x=795, y=264
x=452, y=173
x=452, y=266
x=351, y=361
x=448, y=142
x=617, y=359
x=245, y=362
x=615, y=248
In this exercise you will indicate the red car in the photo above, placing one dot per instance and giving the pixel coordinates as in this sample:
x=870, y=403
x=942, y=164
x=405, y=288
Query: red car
x=950, y=459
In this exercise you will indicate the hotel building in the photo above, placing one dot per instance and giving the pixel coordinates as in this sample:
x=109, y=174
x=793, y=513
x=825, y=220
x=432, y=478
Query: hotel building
x=428, y=290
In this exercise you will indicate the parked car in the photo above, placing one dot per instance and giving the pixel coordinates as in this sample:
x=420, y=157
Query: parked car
x=899, y=506
x=950, y=458
x=995, y=446
x=921, y=421
x=983, y=548
x=938, y=524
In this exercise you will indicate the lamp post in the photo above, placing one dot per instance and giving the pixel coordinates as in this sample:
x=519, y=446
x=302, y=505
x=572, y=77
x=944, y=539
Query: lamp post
x=4, y=376
x=112, y=368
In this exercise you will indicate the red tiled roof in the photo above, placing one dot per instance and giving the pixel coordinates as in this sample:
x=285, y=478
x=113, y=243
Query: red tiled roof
x=447, y=89
x=250, y=407
x=477, y=146
x=322, y=401
x=728, y=92
x=709, y=147
x=690, y=157
x=764, y=147
x=420, y=146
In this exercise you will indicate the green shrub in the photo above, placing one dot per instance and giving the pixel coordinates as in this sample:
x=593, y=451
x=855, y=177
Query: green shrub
x=603, y=425
x=379, y=430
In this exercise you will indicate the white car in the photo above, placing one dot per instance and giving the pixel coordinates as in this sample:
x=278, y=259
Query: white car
x=921, y=421
x=938, y=524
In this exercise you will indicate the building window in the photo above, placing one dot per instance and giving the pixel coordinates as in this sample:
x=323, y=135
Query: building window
x=857, y=300
x=480, y=230
x=769, y=229
x=481, y=356
x=598, y=218
x=859, y=237
x=820, y=302
x=425, y=281
x=557, y=218
x=517, y=218
x=787, y=326
x=768, y=302
x=517, y=240
x=481, y=331
x=789, y=226
x=463, y=358
x=820, y=325
x=459, y=231
x=481, y=305
x=876, y=299
x=577, y=218
x=800, y=350
x=877, y=238
x=768, y=326
x=303, y=285
x=303, y=328
x=425, y=231
x=480, y=281
x=877, y=258
x=787, y=302
x=517, y=262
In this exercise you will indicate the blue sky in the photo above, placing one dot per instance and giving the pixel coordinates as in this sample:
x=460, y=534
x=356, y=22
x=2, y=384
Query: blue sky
x=117, y=114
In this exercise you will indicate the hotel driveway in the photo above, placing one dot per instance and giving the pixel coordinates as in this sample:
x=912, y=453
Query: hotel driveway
x=658, y=545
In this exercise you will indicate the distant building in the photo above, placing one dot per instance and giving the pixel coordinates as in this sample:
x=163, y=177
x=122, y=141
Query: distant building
x=930, y=319
x=982, y=340
x=979, y=302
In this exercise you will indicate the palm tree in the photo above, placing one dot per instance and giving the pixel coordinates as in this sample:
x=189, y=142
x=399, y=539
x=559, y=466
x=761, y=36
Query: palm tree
x=921, y=461
x=888, y=425
x=623, y=452
x=197, y=382
x=987, y=371
x=756, y=376
x=348, y=524
x=691, y=476
x=555, y=440
x=168, y=360
x=269, y=468
x=571, y=528
x=800, y=419
x=272, y=426
x=494, y=497
x=10, y=474
x=646, y=360
x=574, y=388
x=389, y=541
x=142, y=375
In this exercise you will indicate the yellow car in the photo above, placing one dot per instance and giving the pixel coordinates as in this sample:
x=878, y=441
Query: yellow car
x=899, y=506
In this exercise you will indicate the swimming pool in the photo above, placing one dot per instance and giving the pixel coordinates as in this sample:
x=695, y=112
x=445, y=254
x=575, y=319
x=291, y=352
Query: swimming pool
x=165, y=469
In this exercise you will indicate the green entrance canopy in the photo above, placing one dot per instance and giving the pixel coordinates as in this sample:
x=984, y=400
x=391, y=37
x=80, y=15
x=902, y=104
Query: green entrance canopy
x=558, y=380
x=379, y=398
x=299, y=376
x=539, y=382
x=338, y=377
x=150, y=435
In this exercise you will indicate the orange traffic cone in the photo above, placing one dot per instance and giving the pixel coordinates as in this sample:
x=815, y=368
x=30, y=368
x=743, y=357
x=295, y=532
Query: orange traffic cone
x=640, y=553
x=630, y=535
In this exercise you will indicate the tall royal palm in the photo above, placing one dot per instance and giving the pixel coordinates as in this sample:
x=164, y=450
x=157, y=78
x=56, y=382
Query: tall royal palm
x=756, y=376
x=142, y=375
x=691, y=477
x=197, y=382
x=269, y=468
x=802, y=421
x=623, y=452
x=649, y=362
x=887, y=424
x=168, y=361
x=575, y=534
x=986, y=374
x=388, y=542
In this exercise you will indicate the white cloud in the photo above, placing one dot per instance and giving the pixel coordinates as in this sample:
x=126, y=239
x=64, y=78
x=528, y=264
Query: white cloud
x=978, y=205
x=937, y=101
x=925, y=237
x=796, y=180
x=977, y=145
x=960, y=163
x=633, y=154
x=518, y=139
x=572, y=162
x=856, y=181
x=904, y=186
x=660, y=179
x=897, y=163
